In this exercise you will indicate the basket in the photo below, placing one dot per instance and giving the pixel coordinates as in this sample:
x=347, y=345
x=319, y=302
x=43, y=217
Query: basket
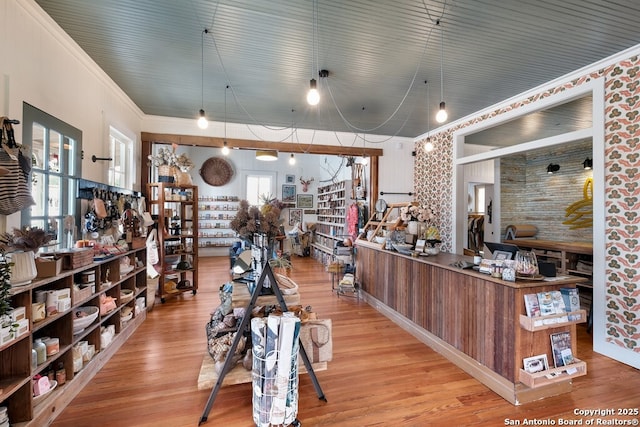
x=165, y=173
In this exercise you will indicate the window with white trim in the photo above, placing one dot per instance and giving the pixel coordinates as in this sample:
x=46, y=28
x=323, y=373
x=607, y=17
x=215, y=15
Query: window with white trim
x=121, y=168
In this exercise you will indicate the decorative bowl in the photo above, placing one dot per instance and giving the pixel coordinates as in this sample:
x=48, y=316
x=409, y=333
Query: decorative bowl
x=380, y=239
x=87, y=315
x=432, y=250
x=126, y=295
x=402, y=247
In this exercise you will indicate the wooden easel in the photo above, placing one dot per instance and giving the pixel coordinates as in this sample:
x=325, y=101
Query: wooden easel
x=267, y=272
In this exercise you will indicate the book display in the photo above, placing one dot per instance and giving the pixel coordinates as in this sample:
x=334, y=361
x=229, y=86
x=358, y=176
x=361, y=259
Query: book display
x=214, y=216
x=331, y=227
x=557, y=309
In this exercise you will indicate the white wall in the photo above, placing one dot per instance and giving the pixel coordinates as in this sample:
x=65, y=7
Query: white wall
x=42, y=66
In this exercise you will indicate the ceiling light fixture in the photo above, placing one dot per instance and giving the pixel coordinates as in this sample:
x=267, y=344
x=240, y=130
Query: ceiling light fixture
x=203, y=123
x=313, y=96
x=365, y=160
x=587, y=164
x=225, y=146
x=292, y=158
x=441, y=116
x=552, y=168
x=428, y=145
x=267, y=155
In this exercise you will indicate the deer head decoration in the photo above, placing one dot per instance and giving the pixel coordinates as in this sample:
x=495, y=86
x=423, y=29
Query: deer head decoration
x=305, y=183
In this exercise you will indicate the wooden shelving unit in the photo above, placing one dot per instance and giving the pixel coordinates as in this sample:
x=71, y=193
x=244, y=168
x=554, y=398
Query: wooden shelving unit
x=175, y=212
x=214, y=216
x=331, y=226
x=381, y=222
x=111, y=278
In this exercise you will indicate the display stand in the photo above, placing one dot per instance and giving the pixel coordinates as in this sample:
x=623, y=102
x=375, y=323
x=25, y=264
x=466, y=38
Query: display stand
x=267, y=272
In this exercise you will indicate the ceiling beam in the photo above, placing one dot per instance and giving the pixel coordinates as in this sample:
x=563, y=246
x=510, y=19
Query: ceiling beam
x=248, y=144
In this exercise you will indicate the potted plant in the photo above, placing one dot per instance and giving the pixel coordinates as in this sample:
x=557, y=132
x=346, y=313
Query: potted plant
x=19, y=250
x=281, y=264
x=169, y=164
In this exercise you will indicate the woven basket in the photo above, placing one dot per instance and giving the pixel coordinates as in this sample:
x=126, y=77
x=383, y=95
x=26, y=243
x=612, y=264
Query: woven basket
x=165, y=173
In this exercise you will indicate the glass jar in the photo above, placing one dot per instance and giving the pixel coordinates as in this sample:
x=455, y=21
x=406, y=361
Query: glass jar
x=41, y=350
x=526, y=264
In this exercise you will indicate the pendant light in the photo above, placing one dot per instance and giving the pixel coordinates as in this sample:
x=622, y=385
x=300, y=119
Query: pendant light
x=203, y=123
x=267, y=155
x=225, y=146
x=441, y=116
x=313, y=96
x=428, y=145
x=292, y=158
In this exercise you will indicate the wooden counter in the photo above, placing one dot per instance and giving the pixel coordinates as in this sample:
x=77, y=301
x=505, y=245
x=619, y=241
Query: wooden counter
x=469, y=317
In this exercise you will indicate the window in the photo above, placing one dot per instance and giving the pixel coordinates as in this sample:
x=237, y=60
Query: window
x=121, y=167
x=56, y=165
x=259, y=184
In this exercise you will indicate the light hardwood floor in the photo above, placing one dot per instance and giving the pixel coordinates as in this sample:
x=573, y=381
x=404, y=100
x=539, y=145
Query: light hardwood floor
x=380, y=375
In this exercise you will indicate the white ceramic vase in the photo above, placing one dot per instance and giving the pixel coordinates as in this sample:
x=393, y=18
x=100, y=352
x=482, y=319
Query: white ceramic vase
x=412, y=227
x=23, y=267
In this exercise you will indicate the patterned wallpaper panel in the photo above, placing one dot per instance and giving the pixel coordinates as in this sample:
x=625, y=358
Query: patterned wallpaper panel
x=433, y=184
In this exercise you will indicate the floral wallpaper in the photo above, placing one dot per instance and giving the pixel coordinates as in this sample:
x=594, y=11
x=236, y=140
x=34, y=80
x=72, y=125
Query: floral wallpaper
x=434, y=179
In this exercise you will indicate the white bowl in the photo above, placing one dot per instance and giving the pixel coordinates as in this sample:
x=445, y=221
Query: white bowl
x=380, y=239
x=79, y=323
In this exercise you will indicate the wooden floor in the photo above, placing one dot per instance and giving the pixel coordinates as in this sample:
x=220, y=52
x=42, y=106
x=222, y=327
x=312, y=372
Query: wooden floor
x=379, y=376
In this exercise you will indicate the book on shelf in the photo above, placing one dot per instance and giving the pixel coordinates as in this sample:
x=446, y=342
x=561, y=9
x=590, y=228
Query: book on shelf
x=558, y=302
x=560, y=341
x=545, y=301
x=571, y=298
x=567, y=357
x=531, y=305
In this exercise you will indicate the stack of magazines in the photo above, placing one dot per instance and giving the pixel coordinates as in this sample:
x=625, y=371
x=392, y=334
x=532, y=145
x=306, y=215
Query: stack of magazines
x=275, y=369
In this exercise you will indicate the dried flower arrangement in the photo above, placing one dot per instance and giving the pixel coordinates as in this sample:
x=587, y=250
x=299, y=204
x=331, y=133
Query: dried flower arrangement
x=250, y=220
x=24, y=239
x=168, y=157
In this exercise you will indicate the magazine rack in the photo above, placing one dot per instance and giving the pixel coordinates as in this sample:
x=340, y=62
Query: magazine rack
x=267, y=272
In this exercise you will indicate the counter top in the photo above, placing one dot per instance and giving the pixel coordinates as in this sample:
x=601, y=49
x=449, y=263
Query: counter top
x=585, y=248
x=445, y=260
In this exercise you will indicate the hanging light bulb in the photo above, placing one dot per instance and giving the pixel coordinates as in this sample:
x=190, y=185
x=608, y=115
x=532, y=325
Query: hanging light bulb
x=203, y=123
x=292, y=159
x=313, y=96
x=225, y=148
x=441, y=115
x=428, y=145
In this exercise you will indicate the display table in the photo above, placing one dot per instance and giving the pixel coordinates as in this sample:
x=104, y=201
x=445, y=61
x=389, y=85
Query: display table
x=469, y=317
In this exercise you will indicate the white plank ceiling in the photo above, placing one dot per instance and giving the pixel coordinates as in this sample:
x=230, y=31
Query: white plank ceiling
x=378, y=54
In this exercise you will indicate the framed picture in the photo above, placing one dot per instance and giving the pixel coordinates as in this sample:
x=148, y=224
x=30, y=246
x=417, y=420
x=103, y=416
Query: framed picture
x=305, y=201
x=295, y=216
x=290, y=179
x=288, y=193
x=310, y=212
x=501, y=255
x=536, y=363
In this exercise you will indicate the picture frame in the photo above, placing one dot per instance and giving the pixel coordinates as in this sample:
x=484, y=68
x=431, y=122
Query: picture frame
x=288, y=193
x=310, y=212
x=501, y=255
x=295, y=216
x=305, y=201
x=290, y=179
x=535, y=364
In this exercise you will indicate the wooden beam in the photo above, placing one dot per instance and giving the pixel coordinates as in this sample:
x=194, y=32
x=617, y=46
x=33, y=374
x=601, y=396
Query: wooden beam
x=247, y=144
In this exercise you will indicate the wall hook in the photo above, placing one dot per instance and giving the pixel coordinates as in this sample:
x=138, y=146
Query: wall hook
x=95, y=159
